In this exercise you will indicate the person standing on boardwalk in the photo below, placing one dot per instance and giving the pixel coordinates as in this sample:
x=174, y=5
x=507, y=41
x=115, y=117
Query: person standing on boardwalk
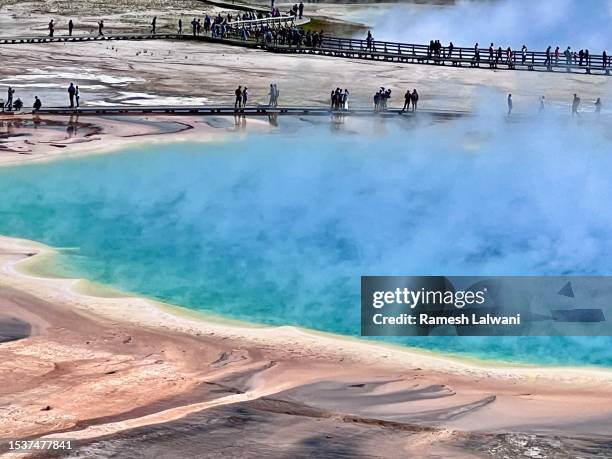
x=369, y=40
x=51, y=28
x=345, y=99
x=598, y=105
x=37, y=104
x=9, y=99
x=180, y=27
x=557, y=53
x=407, y=99
x=154, y=25
x=71, y=93
x=245, y=96
x=547, y=62
x=70, y=27
x=301, y=10
x=77, y=96
x=542, y=100
x=271, y=94
x=568, y=56
x=238, y=93
x=524, y=54
x=194, y=26
x=509, y=104
x=575, y=105
x=604, y=59
x=414, y=97
x=101, y=27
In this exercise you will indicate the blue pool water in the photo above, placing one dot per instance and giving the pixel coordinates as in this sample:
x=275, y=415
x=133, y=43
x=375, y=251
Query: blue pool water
x=277, y=228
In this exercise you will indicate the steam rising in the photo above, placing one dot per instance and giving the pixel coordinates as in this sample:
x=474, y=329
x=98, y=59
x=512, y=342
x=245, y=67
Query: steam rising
x=279, y=228
x=538, y=24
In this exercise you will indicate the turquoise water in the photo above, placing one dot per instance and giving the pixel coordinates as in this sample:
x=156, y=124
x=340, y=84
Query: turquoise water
x=277, y=228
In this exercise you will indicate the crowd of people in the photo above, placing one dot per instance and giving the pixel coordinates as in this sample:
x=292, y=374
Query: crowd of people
x=339, y=99
x=381, y=99
x=498, y=55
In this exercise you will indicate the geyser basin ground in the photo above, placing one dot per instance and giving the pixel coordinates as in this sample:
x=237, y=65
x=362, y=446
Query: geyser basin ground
x=277, y=228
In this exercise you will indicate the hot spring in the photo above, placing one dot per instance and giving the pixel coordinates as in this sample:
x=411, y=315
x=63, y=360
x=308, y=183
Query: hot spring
x=277, y=227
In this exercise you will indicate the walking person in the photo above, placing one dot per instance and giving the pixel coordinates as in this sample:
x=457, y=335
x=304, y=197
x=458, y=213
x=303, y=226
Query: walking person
x=415, y=99
x=180, y=27
x=51, y=28
x=276, y=94
x=542, y=100
x=101, y=27
x=245, y=96
x=194, y=26
x=271, y=94
x=510, y=106
x=71, y=93
x=77, y=96
x=238, y=93
x=154, y=25
x=598, y=106
x=70, y=27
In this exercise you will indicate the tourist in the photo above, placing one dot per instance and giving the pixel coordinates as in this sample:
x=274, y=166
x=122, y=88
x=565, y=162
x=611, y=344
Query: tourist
x=369, y=40
x=301, y=10
x=101, y=27
x=604, y=59
x=9, y=99
x=581, y=57
x=376, y=101
x=450, y=49
x=523, y=54
x=18, y=105
x=557, y=53
x=587, y=58
x=51, y=28
x=154, y=25
x=271, y=94
x=180, y=27
x=568, y=56
x=476, y=60
x=414, y=97
x=509, y=104
x=575, y=105
x=542, y=100
x=37, y=104
x=407, y=99
x=70, y=27
x=77, y=96
x=345, y=99
x=71, y=93
x=598, y=106
x=238, y=93
x=548, y=61
x=245, y=97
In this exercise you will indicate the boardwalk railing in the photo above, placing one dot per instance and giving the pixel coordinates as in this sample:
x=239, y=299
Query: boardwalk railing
x=362, y=49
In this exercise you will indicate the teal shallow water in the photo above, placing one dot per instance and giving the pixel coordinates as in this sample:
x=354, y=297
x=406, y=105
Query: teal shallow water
x=278, y=228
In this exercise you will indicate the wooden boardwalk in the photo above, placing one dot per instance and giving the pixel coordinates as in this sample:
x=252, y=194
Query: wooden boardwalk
x=226, y=110
x=359, y=49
